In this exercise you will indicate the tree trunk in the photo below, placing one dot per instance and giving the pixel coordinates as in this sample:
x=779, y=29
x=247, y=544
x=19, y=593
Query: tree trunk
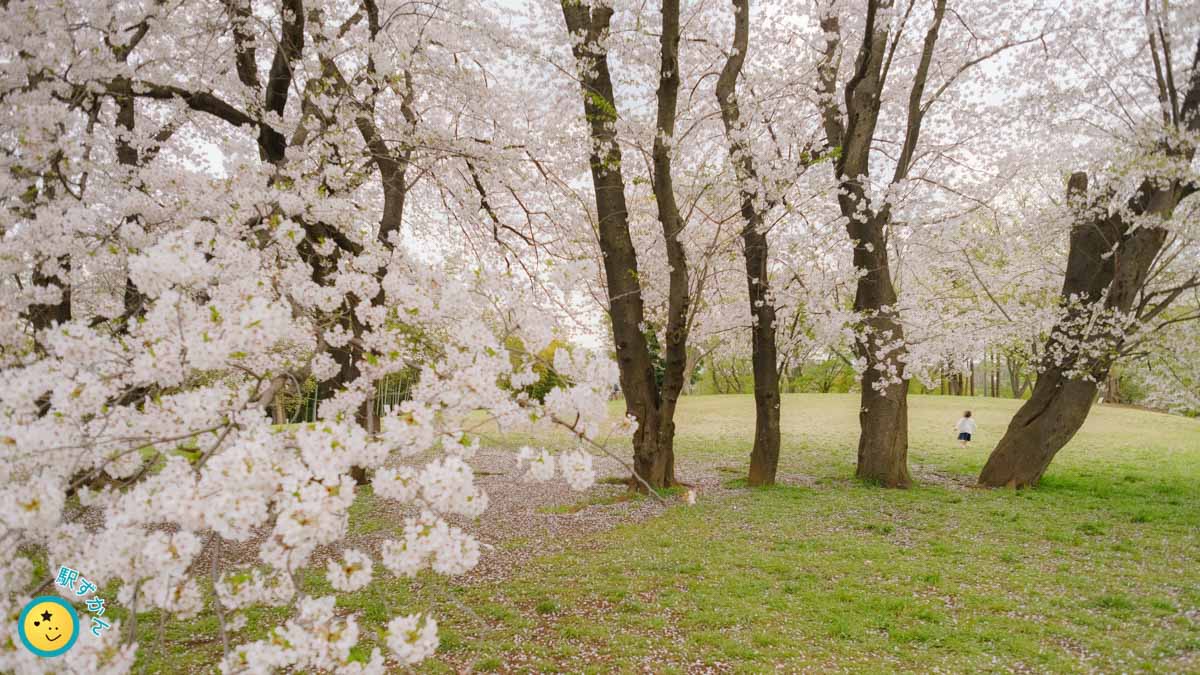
x=654, y=451
x=654, y=459
x=883, y=416
x=1108, y=261
x=678, y=297
x=764, y=457
x=1043, y=425
x=883, y=420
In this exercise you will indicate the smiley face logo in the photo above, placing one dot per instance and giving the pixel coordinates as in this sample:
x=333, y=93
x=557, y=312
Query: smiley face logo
x=48, y=626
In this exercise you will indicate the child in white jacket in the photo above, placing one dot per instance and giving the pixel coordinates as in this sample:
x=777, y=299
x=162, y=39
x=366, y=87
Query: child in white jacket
x=965, y=428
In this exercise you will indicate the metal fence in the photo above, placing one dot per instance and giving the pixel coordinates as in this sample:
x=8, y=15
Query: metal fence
x=388, y=393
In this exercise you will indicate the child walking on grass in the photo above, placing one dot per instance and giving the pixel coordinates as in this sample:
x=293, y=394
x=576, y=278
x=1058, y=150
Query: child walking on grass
x=965, y=428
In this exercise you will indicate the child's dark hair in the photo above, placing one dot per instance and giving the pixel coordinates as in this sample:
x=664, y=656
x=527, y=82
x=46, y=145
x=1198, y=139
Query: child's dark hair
x=967, y=413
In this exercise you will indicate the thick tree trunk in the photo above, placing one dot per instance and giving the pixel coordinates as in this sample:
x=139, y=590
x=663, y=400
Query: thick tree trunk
x=883, y=442
x=654, y=452
x=654, y=460
x=1107, y=262
x=1042, y=426
x=1059, y=403
x=883, y=417
x=883, y=413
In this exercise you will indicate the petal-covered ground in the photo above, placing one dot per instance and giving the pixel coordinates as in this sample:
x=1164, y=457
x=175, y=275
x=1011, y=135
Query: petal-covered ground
x=1097, y=570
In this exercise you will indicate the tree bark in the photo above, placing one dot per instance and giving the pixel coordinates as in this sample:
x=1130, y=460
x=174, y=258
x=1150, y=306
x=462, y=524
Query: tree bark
x=678, y=298
x=653, y=442
x=883, y=411
x=1108, y=261
x=764, y=457
x=1043, y=425
x=883, y=442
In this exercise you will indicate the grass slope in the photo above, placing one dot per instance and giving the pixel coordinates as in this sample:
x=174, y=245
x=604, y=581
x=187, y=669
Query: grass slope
x=1098, y=569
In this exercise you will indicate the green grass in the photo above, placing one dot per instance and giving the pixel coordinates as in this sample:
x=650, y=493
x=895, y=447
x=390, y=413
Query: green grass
x=1098, y=569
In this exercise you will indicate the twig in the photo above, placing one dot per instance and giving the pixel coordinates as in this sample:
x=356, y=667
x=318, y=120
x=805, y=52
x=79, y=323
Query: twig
x=216, y=553
x=557, y=420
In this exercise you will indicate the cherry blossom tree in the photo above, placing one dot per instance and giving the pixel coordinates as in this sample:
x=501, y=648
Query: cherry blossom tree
x=1131, y=253
x=764, y=457
x=202, y=205
x=650, y=403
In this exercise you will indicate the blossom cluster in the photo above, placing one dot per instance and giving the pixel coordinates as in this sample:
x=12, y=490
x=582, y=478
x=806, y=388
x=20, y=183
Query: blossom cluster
x=156, y=304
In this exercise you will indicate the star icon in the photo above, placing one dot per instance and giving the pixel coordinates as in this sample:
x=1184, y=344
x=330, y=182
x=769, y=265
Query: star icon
x=45, y=616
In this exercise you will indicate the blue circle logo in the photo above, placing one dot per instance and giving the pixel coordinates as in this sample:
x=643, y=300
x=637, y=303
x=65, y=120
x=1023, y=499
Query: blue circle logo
x=48, y=626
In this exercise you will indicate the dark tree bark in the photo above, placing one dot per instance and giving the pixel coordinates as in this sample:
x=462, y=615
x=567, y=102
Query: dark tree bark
x=883, y=416
x=653, y=407
x=1105, y=254
x=1108, y=265
x=764, y=457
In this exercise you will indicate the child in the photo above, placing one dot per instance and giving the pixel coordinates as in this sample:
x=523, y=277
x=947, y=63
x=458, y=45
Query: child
x=965, y=427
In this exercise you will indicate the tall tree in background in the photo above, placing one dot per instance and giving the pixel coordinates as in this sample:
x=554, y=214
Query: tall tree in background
x=651, y=404
x=764, y=457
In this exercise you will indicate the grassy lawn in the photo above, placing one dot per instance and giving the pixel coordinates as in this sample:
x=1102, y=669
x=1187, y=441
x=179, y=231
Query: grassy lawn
x=1098, y=569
